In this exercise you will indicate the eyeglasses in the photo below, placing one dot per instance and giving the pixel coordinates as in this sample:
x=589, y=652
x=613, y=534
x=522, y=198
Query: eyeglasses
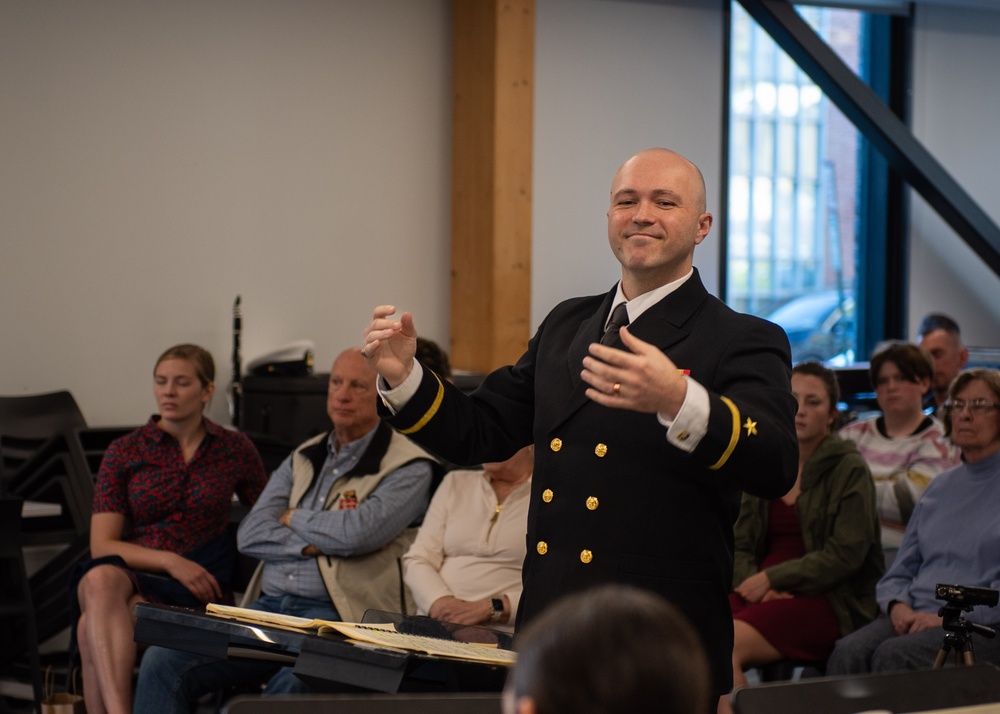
x=976, y=406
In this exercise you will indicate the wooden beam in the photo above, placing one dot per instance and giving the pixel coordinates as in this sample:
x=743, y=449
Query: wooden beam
x=492, y=116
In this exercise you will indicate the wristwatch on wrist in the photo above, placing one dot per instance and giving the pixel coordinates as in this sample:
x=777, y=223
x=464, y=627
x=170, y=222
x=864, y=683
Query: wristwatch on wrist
x=496, y=609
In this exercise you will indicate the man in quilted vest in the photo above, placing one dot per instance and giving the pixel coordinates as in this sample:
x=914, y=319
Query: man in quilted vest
x=330, y=528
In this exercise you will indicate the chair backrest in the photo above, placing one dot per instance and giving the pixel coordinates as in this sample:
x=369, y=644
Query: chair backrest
x=13, y=580
x=10, y=525
x=915, y=691
x=28, y=421
x=55, y=474
x=62, y=472
x=94, y=441
x=49, y=587
x=272, y=449
x=400, y=703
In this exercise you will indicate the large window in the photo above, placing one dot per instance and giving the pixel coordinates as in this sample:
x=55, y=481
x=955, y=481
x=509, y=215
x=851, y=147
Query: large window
x=794, y=181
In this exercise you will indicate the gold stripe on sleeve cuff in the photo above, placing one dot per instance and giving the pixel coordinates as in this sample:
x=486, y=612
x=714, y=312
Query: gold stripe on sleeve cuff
x=734, y=437
x=431, y=411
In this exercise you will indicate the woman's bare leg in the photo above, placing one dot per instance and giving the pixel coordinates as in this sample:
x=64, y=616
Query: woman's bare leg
x=95, y=704
x=106, y=639
x=750, y=649
x=724, y=706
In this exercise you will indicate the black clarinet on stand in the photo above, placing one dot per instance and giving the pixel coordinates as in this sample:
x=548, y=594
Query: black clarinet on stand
x=237, y=386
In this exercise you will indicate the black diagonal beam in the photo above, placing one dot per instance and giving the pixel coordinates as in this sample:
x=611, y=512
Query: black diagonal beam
x=880, y=126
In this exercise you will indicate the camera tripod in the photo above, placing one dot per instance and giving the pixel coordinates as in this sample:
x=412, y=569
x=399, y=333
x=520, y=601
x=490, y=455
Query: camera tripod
x=959, y=635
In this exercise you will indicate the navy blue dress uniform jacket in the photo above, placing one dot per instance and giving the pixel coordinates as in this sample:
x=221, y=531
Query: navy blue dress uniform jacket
x=611, y=499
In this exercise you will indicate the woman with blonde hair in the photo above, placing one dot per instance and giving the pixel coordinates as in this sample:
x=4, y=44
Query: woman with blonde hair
x=158, y=531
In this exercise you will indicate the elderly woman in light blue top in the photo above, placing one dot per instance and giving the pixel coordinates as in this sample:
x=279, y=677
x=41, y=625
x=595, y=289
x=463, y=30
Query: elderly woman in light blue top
x=953, y=538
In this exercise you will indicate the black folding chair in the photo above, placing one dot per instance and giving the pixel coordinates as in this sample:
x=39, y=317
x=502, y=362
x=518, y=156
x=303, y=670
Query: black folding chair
x=16, y=608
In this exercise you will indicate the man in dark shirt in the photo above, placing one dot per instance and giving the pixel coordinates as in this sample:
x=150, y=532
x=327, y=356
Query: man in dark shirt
x=942, y=339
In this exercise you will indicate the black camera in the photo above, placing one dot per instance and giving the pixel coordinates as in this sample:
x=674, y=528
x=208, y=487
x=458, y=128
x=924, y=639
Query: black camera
x=967, y=595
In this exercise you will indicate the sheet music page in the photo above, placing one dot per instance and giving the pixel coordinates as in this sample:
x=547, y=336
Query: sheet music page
x=275, y=619
x=376, y=634
x=383, y=634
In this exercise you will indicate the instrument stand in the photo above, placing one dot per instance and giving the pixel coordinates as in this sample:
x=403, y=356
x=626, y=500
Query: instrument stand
x=959, y=635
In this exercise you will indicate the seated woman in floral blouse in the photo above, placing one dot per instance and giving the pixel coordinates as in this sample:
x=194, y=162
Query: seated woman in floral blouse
x=159, y=528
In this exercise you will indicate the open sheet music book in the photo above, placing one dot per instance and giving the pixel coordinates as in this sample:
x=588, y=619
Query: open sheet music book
x=384, y=635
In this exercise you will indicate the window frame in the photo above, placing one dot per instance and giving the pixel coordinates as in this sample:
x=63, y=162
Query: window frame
x=881, y=216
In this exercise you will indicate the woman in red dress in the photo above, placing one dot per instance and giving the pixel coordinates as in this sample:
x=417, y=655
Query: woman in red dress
x=806, y=564
x=159, y=526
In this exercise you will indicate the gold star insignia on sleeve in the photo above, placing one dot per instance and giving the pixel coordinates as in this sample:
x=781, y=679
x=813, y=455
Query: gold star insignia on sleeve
x=751, y=427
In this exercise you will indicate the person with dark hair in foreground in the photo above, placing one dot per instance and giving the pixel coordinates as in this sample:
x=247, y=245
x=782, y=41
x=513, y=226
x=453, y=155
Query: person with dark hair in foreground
x=610, y=649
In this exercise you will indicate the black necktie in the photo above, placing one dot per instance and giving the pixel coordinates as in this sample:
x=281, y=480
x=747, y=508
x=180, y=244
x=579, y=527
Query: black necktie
x=619, y=319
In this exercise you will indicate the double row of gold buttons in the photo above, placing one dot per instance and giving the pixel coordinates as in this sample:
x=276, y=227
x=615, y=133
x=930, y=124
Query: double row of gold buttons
x=592, y=503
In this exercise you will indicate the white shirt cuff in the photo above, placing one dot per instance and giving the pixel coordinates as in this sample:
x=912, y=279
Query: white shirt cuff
x=395, y=399
x=690, y=425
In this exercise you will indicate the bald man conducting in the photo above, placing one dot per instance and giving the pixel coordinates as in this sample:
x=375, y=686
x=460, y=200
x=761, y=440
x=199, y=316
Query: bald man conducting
x=643, y=443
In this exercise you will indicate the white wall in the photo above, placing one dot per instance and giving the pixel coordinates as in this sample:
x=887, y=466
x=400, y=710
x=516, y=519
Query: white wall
x=159, y=158
x=612, y=78
x=956, y=105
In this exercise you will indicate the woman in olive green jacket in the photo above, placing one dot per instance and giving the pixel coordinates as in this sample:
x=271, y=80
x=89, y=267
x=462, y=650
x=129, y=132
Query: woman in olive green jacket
x=806, y=565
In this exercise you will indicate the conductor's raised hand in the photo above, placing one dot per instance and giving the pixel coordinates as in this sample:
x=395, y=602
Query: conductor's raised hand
x=389, y=344
x=643, y=380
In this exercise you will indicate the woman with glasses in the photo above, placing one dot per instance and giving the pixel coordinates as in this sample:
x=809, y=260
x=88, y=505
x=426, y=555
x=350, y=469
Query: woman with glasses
x=953, y=538
x=904, y=447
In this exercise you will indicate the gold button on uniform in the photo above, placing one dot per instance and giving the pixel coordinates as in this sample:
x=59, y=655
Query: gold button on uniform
x=542, y=547
x=600, y=450
x=555, y=444
x=586, y=556
x=547, y=495
x=592, y=503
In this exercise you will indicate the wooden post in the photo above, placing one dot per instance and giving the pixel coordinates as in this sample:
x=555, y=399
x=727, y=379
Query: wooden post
x=492, y=117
